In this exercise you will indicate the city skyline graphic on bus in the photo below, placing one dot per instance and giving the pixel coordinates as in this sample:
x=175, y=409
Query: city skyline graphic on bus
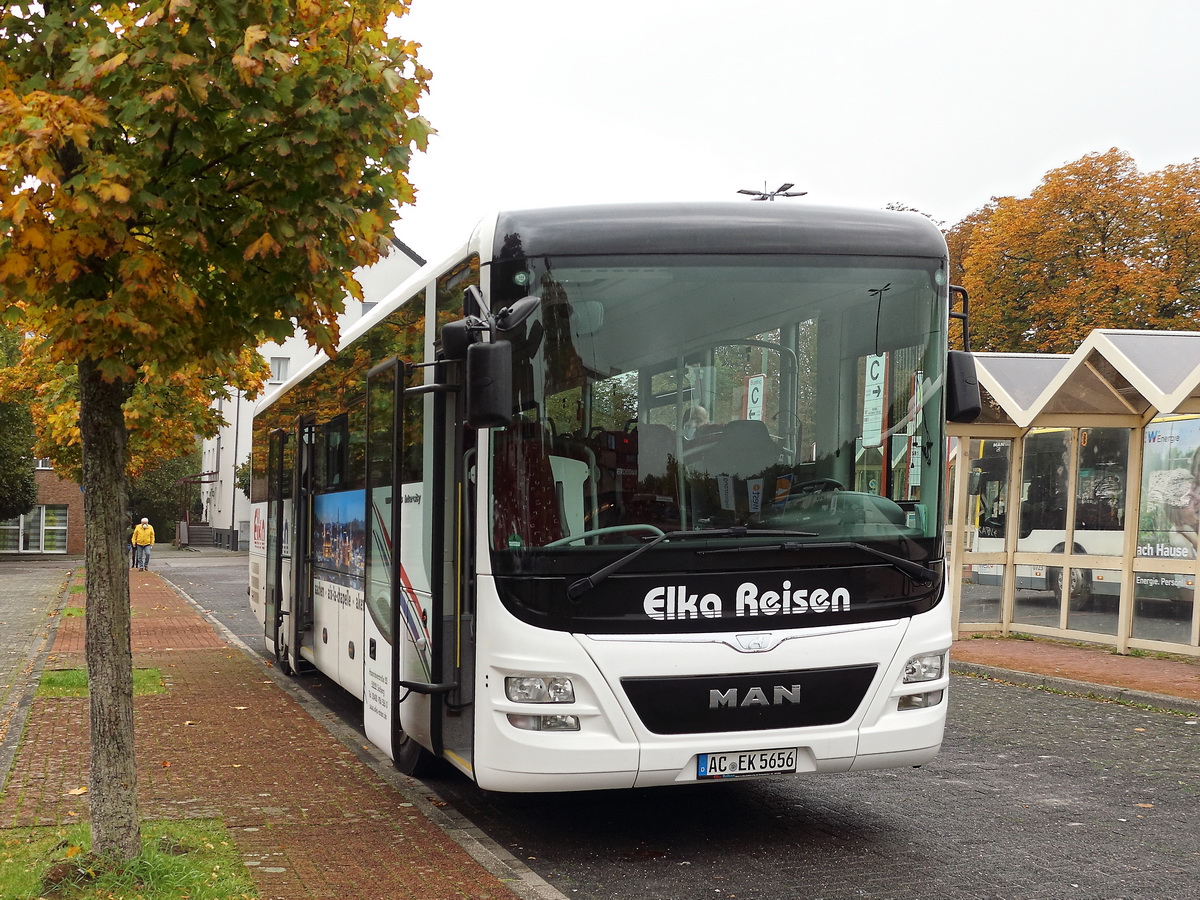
x=339, y=537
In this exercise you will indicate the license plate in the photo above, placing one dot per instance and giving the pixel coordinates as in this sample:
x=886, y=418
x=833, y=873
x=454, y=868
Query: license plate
x=746, y=762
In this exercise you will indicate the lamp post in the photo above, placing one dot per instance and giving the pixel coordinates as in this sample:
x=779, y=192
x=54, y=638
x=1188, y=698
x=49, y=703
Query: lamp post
x=784, y=190
x=234, y=543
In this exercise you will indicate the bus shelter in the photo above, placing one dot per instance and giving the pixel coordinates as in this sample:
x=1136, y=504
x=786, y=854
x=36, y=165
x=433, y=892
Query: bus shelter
x=1075, y=497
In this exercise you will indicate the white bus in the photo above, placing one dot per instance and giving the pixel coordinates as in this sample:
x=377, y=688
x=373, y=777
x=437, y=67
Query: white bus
x=627, y=496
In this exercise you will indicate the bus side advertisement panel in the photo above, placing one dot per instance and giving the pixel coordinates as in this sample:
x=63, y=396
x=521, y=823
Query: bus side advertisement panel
x=338, y=549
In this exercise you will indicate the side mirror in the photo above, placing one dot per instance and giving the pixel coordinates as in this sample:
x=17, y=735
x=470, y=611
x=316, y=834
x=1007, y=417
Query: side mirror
x=456, y=338
x=963, y=403
x=512, y=316
x=489, y=385
x=975, y=483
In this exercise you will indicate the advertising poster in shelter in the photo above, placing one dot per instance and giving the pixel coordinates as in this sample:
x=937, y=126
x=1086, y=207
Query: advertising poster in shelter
x=1170, y=513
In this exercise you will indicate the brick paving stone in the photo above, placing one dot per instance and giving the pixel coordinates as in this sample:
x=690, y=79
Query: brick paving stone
x=1147, y=675
x=224, y=741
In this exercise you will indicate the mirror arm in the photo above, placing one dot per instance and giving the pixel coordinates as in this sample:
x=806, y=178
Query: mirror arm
x=964, y=316
x=432, y=389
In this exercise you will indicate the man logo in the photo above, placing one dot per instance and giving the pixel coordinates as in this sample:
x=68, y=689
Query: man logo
x=756, y=696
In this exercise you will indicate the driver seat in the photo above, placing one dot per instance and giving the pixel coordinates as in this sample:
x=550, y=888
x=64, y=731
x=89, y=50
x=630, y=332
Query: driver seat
x=744, y=450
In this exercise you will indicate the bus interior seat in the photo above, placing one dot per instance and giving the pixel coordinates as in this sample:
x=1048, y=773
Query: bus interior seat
x=655, y=447
x=744, y=449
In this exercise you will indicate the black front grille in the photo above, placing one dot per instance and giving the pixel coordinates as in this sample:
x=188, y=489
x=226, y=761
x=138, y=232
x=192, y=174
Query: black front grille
x=760, y=701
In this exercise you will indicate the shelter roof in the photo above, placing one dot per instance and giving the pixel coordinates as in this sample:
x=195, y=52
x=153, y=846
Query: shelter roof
x=1112, y=373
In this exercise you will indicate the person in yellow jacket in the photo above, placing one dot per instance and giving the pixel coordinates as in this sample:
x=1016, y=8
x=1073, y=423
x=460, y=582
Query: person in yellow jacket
x=143, y=543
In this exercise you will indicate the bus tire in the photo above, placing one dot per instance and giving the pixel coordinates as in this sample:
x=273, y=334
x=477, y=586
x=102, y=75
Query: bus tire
x=281, y=660
x=410, y=757
x=281, y=655
x=1080, y=595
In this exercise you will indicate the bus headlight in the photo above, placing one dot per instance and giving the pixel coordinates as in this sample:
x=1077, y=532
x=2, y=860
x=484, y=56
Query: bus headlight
x=539, y=689
x=927, y=667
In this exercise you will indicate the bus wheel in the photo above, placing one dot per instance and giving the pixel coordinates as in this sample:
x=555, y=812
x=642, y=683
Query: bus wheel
x=1079, y=591
x=1081, y=597
x=410, y=757
x=281, y=656
x=281, y=660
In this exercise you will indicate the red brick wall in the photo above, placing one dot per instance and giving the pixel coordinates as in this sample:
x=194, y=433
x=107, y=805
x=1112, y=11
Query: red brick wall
x=52, y=489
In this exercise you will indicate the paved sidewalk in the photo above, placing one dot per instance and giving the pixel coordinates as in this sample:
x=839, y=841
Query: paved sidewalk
x=31, y=594
x=311, y=820
x=1162, y=683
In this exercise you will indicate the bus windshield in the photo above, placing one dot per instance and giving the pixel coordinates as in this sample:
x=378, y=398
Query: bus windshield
x=687, y=393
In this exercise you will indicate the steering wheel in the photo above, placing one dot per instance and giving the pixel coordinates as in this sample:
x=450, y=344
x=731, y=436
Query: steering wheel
x=818, y=485
x=610, y=529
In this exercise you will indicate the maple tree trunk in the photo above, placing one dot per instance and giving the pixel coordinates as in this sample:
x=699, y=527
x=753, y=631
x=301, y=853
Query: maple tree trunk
x=113, y=789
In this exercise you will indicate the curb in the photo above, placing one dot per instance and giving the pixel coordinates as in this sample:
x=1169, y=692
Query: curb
x=1086, y=689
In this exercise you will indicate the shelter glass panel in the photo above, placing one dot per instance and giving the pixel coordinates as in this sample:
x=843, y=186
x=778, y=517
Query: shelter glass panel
x=1163, y=606
x=1094, y=604
x=987, y=521
x=1044, y=491
x=988, y=495
x=1036, y=600
x=979, y=602
x=1100, y=491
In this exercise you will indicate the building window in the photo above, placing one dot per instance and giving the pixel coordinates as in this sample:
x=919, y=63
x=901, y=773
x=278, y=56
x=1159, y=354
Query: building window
x=44, y=464
x=279, y=369
x=42, y=531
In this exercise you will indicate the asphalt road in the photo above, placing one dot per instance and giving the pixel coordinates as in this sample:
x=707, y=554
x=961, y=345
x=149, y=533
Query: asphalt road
x=1035, y=795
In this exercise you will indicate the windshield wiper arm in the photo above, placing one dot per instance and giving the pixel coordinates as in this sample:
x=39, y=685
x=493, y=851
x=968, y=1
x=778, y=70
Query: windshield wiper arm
x=913, y=570
x=577, y=589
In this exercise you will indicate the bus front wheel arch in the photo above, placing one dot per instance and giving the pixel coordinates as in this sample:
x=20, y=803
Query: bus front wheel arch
x=409, y=756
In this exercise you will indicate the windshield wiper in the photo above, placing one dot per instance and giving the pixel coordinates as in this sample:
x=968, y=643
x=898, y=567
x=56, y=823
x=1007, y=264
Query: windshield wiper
x=915, y=571
x=578, y=588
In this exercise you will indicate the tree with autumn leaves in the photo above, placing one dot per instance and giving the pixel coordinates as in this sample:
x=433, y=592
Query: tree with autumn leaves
x=182, y=180
x=1098, y=244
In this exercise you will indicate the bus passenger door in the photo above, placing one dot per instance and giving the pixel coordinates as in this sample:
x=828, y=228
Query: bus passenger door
x=279, y=475
x=454, y=481
x=297, y=615
x=397, y=582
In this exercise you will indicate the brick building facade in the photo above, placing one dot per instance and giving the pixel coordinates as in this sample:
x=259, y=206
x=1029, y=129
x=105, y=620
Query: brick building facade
x=55, y=525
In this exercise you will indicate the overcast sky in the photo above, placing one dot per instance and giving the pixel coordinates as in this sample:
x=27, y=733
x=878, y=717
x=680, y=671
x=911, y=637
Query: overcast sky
x=936, y=104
